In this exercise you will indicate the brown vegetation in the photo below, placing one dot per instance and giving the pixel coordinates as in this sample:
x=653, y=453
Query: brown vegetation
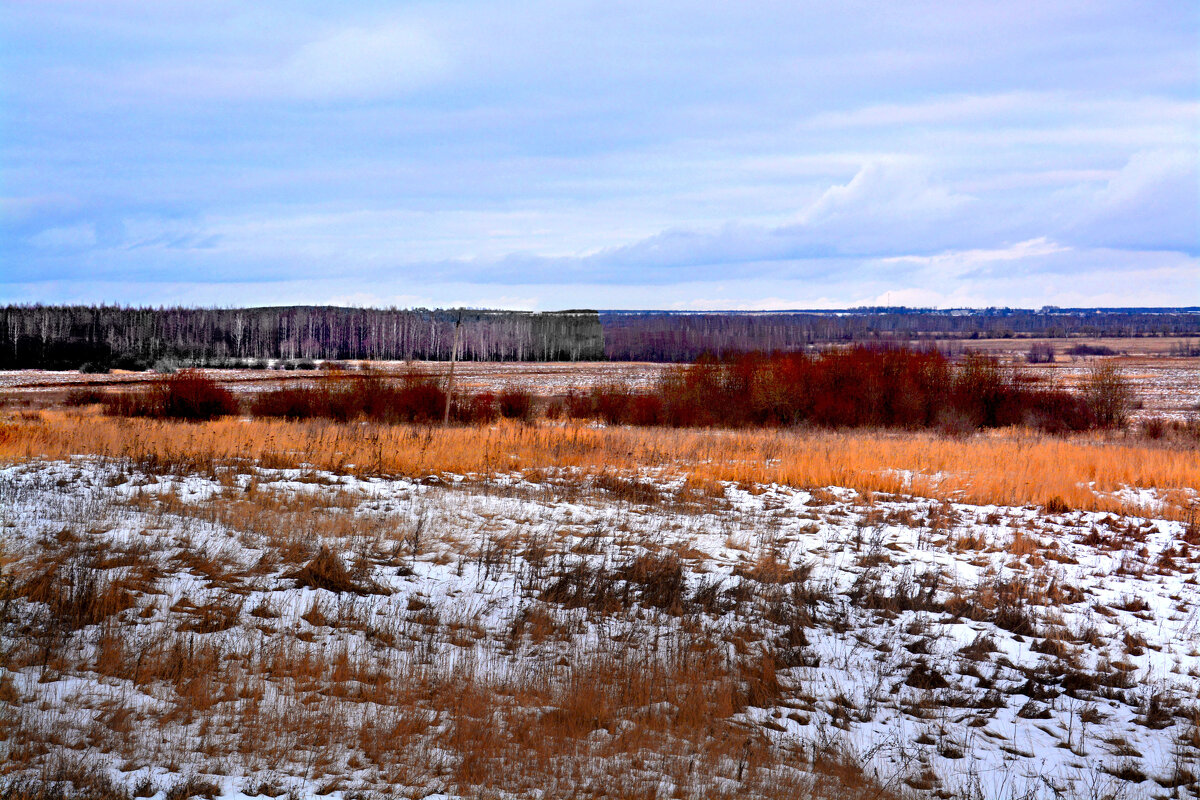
x=186, y=395
x=1010, y=468
x=859, y=387
x=410, y=700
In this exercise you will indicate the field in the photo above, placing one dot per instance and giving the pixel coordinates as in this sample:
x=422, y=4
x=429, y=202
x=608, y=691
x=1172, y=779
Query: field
x=1164, y=385
x=250, y=607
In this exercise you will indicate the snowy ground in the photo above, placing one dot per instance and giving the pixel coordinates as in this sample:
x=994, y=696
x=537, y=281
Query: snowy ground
x=541, y=378
x=1163, y=387
x=956, y=650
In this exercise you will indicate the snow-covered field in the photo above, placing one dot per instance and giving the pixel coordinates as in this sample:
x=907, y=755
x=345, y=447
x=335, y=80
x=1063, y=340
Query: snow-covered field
x=542, y=378
x=261, y=632
x=1163, y=387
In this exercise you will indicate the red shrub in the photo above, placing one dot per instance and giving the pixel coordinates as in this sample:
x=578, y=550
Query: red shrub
x=611, y=402
x=476, y=409
x=516, y=404
x=414, y=398
x=186, y=395
x=578, y=405
x=646, y=409
x=853, y=387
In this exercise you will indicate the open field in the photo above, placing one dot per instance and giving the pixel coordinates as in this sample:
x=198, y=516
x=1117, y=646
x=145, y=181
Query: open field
x=248, y=607
x=1163, y=386
x=1132, y=346
x=545, y=379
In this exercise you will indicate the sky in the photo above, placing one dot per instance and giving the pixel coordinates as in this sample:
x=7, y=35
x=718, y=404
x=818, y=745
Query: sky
x=549, y=155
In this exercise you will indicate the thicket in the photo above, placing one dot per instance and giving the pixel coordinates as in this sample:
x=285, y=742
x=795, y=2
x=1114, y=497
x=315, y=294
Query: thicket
x=858, y=387
x=851, y=388
x=185, y=395
x=414, y=397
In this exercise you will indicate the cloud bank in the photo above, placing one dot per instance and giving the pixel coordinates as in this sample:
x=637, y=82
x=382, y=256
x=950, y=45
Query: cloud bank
x=563, y=154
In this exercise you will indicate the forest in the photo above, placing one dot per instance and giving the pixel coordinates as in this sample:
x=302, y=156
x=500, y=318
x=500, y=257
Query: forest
x=677, y=336
x=105, y=337
x=68, y=337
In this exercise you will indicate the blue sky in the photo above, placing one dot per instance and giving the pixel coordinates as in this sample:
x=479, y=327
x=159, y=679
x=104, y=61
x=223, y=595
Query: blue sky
x=609, y=154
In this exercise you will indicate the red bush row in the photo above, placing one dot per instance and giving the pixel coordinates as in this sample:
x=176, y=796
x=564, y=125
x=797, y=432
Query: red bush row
x=854, y=387
x=414, y=398
x=185, y=395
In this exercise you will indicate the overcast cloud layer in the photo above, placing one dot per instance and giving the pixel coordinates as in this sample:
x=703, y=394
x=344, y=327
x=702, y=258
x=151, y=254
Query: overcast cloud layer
x=608, y=154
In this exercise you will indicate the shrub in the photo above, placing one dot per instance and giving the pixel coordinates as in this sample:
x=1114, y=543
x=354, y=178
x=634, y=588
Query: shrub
x=414, y=398
x=515, y=404
x=84, y=396
x=1091, y=350
x=190, y=395
x=1108, y=395
x=1040, y=353
x=186, y=395
x=852, y=387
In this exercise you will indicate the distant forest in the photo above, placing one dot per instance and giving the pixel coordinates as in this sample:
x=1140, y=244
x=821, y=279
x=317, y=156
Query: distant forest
x=70, y=337
x=684, y=336
x=67, y=337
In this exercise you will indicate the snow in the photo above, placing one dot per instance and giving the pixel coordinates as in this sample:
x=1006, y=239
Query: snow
x=853, y=685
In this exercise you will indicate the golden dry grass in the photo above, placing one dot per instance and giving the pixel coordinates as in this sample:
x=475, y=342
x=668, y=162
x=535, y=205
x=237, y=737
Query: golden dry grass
x=1010, y=467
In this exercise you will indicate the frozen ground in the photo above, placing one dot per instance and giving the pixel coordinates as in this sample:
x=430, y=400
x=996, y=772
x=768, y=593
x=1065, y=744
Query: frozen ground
x=957, y=650
x=542, y=378
x=1163, y=387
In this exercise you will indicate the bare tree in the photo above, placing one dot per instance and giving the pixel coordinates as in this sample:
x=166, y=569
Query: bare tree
x=1108, y=394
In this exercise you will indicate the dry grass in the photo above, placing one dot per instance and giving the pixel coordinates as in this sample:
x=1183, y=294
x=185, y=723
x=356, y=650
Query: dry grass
x=623, y=664
x=394, y=696
x=1010, y=467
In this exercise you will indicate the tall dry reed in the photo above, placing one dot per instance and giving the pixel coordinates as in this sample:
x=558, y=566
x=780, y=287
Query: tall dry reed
x=1010, y=467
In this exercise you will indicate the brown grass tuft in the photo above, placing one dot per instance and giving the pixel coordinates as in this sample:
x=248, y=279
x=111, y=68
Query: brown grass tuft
x=1007, y=468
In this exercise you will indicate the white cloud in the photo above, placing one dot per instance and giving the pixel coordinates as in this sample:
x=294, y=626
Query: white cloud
x=71, y=237
x=1009, y=109
x=1153, y=202
x=359, y=62
x=354, y=63
x=959, y=261
x=885, y=192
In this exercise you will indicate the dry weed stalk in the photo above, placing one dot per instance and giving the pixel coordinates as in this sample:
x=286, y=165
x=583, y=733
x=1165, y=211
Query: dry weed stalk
x=1011, y=467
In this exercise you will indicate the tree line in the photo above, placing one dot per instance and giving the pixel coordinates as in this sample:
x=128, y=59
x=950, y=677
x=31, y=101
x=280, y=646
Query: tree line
x=68, y=337
x=678, y=337
x=71, y=337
